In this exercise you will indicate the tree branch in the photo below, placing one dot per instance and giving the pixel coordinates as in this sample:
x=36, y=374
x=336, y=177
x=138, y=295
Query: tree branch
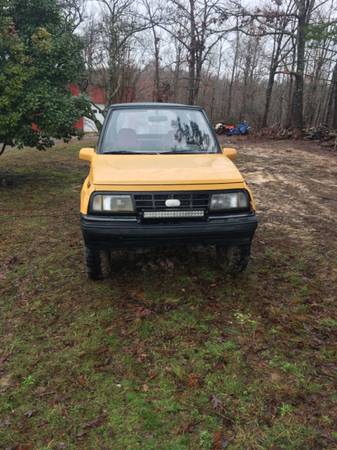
x=4, y=145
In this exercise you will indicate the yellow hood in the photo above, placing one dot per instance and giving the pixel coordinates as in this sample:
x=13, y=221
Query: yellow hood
x=163, y=170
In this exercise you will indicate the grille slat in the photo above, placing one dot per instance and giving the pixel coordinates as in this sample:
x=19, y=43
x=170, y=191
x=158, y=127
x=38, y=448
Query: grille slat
x=156, y=201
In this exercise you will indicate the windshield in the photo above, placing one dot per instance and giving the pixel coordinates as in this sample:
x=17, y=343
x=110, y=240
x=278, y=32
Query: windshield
x=158, y=130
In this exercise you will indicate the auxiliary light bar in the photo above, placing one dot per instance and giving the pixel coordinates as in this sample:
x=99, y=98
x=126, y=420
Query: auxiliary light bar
x=172, y=214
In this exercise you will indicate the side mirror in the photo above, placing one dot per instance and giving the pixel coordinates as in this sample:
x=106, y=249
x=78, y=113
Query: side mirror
x=229, y=152
x=86, y=154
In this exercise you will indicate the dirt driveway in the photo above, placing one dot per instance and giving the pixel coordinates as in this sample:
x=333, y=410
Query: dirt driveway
x=295, y=184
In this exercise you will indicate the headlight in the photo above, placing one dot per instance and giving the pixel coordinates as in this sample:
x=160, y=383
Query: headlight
x=229, y=201
x=112, y=203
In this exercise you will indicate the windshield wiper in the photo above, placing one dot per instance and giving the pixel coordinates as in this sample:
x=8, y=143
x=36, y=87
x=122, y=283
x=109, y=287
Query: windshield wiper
x=175, y=151
x=184, y=151
x=122, y=152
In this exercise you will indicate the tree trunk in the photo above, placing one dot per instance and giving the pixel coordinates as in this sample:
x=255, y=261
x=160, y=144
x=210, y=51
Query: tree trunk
x=288, y=119
x=157, y=95
x=275, y=61
x=332, y=102
x=230, y=87
x=197, y=81
x=304, y=10
x=311, y=105
x=216, y=84
x=246, y=77
x=192, y=56
x=176, y=75
x=272, y=71
x=269, y=91
x=297, y=102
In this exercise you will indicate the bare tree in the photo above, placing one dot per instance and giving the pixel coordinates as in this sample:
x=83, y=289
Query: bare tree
x=74, y=12
x=280, y=45
x=303, y=15
x=179, y=49
x=153, y=13
x=234, y=69
x=202, y=27
x=108, y=48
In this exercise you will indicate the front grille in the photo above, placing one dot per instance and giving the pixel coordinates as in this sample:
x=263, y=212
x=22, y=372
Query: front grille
x=156, y=201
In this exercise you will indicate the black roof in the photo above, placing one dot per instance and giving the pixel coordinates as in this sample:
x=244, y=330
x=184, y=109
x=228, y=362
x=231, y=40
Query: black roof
x=153, y=105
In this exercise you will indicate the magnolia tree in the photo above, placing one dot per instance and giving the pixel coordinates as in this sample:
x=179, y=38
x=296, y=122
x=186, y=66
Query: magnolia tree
x=39, y=57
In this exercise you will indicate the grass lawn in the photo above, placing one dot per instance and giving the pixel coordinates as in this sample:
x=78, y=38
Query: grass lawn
x=169, y=353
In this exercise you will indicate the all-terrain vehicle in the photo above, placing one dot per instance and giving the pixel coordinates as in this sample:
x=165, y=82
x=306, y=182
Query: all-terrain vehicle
x=159, y=176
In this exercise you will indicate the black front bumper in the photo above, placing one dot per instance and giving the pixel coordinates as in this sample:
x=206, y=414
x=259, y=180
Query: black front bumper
x=105, y=232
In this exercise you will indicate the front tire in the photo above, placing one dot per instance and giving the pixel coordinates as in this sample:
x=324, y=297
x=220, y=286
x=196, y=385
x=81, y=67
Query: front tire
x=233, y=259
x=97, y=267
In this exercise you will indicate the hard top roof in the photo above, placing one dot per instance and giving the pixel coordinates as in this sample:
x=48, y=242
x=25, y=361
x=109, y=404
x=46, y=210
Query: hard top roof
x=152, y=105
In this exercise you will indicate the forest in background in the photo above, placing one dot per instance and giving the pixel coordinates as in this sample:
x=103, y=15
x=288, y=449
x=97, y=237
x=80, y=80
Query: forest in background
x=272, y=64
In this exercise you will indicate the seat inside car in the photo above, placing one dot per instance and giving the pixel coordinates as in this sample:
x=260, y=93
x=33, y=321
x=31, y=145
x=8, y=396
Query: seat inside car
x=126, y=137
x=169, y=140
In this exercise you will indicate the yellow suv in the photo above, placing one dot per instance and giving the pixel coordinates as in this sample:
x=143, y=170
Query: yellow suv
x=159, y=176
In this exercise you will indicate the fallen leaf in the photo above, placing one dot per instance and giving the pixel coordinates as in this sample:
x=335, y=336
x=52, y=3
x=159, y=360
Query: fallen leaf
x=188, y=427
x=95, y=422
x=220, y=441
x=5, y=381
x=275, y=377
x=142, y=312
x=152, y=375
x=4, y=358
x=193, y=380
x=110, y=329
x=138, y=295
x=41, y=391
x=91, y=424
x=5, y=422
x=101, y=350
x=145, y=388
x=216, y=402
x=12, y=261
x=82, y=380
